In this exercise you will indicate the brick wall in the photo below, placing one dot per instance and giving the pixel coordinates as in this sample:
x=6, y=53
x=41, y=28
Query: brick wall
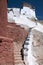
x=8, y=34
x=16, y=32
x=6, y=51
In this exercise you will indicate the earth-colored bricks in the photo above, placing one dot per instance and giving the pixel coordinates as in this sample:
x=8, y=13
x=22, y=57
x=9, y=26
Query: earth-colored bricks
x=9, y=33
x=6, y=51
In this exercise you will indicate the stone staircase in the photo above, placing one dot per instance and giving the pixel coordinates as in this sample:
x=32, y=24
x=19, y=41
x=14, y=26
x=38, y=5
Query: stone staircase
x=9, y=35
x=17, y=54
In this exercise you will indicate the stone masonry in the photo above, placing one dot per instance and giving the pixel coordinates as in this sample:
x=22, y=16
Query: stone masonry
x=9, y=34
x=6, y=51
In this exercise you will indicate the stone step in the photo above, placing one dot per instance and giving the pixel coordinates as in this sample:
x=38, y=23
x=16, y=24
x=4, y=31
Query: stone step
x=19, y=64
x=18, y=61
x=16, y=53
x=17, y=50
x=18, y=47
x=18, y=58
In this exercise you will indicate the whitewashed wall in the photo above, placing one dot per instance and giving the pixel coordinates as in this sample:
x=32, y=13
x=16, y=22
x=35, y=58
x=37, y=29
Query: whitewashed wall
x=16, y=12
x=28, y=12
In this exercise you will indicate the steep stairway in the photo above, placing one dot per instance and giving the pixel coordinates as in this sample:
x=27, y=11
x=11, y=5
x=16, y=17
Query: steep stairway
x=18, y=35
x=17, y=54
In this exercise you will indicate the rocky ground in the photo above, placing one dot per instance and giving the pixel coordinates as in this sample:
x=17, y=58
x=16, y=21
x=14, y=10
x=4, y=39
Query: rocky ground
x=37, y=47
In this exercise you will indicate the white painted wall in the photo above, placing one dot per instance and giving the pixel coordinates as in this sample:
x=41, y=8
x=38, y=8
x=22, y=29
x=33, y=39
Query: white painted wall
x=28, y=12
x=16, y=12
x=30, y=59
x=10, y=15
x=39, y=27
x=22, y=20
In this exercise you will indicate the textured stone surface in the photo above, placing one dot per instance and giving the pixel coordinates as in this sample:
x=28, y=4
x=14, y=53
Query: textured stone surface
x=17, y=53
x=10, y=33
x=18, y=33
x=13, y=31
x=37, y=47
x=6, y=51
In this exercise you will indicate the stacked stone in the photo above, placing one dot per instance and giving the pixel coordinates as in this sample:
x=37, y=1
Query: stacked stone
x=17, y=53
x=37, y=47
x=16, y=32
x=9, y=33
x=6, y=51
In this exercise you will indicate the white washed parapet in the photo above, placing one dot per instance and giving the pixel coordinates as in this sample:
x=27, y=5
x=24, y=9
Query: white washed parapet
x=35, y=46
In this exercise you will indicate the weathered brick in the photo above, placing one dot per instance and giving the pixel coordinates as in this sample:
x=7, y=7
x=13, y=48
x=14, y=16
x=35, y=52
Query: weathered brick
x=6, y=51
x=9, y=33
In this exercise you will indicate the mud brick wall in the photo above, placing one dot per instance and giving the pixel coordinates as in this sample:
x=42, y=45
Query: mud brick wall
x=37, y=47
x=3, y=12
x=16, y=32
x=6, y=51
